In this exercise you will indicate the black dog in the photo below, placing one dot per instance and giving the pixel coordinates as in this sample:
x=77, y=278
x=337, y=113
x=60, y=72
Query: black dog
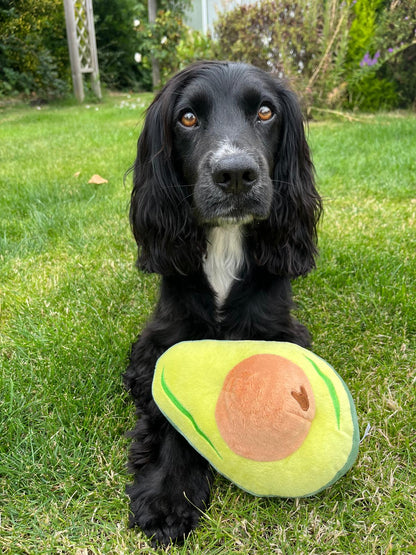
x=225, y=208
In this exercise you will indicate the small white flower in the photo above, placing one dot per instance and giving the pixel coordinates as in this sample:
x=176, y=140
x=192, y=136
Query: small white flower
x=138, y=57
x=136, y=23
x=164, y=40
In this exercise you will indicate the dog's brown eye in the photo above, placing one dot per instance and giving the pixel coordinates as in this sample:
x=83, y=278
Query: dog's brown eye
x=264, y=113
x=189, y=119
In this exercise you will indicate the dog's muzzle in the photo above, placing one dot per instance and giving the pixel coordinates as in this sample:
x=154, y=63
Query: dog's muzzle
x=233, y=185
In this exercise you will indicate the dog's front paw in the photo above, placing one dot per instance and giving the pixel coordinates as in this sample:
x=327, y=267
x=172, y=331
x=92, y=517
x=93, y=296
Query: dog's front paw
x=168, y=514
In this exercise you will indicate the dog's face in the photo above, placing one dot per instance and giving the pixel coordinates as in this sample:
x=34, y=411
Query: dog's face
x=225, y=136
x=224, y=143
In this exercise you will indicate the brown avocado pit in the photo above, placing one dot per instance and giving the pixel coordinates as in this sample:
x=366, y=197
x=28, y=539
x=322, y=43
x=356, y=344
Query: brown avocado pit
x=265, y=408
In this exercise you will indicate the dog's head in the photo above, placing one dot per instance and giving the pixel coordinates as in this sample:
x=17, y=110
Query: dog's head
x=224, y=143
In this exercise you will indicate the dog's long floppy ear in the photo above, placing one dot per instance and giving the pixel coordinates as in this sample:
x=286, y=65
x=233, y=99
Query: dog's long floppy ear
x=286, y=241
x=160, y=215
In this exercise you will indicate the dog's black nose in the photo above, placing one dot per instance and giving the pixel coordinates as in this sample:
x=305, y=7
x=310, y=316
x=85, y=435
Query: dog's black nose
x=236, y=173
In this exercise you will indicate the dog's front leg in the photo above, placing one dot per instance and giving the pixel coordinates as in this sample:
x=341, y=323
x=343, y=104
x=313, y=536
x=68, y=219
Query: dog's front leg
x=171, y=480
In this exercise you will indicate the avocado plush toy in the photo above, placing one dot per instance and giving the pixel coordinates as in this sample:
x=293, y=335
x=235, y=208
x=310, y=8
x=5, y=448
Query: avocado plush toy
x=274, y=418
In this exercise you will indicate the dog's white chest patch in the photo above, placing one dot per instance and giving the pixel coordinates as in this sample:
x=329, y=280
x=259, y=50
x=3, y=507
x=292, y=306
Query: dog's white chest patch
x=225, y=257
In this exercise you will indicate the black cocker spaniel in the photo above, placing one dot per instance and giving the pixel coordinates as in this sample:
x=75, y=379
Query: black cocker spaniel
x=224, y=207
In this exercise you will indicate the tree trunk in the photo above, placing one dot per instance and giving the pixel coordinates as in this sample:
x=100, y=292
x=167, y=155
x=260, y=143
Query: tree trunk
x=152, y=9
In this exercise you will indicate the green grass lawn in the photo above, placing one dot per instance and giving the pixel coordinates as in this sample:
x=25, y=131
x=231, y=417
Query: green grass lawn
x=72, y=302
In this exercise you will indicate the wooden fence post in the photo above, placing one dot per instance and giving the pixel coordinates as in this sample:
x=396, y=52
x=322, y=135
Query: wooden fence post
x=152, y=12
x=82, y=46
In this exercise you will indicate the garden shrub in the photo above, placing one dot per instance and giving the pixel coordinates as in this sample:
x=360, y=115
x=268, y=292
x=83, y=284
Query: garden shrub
x=116, y=44
x=362, y=28
x=369, y=92
x=381, y=65
x=395, y=39
x=34, y=58
x=33, y=50
x=365, y=89
x=302, y=41
x=338, y=53
x=194, y=46
x=276, y=36
x=169, y=40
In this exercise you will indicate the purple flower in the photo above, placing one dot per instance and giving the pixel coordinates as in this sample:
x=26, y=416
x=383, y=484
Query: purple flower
x=368, y=61
x=365, y=61
x=390, y=50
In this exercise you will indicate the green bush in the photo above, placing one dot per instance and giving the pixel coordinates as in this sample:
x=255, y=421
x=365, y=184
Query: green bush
x=164, y=40
x=362, y=29
x=34, y=57
x=395, y=39
x=116, y=44
x=381, y=67
x=194, y=46
x=365, y=89
x=370, y=93
x=33, y=50
x=359, y=54
x=277, y=36
x=302, y=41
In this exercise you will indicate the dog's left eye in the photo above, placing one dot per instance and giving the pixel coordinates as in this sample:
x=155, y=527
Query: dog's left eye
x=189, y=119
x=265, y=113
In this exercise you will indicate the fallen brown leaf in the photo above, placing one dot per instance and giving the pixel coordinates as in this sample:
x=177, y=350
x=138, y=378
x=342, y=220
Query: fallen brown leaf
x=97, y=180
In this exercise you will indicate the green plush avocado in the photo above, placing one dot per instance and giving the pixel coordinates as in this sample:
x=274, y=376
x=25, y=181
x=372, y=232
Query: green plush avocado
x=274, y=418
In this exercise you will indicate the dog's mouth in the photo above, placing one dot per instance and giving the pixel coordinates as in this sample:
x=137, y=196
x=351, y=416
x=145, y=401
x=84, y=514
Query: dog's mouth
x=232, y=209
x=232, y=220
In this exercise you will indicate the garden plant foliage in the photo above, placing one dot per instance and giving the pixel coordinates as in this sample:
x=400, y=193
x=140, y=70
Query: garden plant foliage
x=357, y=54
x=353, y=54
x=33, y=48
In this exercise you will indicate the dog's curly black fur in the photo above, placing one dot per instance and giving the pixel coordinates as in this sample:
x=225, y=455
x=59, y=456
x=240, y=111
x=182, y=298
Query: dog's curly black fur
x=225, y=209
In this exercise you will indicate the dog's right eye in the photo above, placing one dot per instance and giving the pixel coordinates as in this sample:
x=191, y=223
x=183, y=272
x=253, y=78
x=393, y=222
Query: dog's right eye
x=189, y=119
